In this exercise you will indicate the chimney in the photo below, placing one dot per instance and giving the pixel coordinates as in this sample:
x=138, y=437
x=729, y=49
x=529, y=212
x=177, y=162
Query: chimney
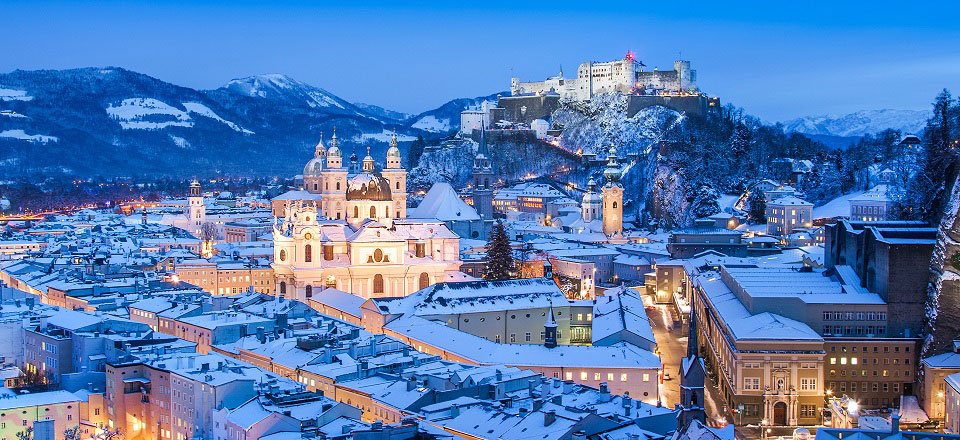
x=281, y=321
x=604, y=388
x=454, y=410
x=523, y=411
x=261, y=335
x=499, y=375
x=30, y=302
x=537, y=404
x=579, y=435
x=204, y=367
x=549, y=417
x=557, y=399
x=895, y=422
x=626, y=403
x=411, y=383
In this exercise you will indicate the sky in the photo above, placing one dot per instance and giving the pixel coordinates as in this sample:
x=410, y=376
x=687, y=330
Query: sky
x=778, y=60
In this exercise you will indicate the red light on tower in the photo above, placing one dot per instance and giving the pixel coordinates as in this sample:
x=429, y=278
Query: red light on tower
x=630, y=55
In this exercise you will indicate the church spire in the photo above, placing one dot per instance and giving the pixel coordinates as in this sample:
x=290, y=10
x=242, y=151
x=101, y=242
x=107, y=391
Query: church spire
x=692, y=334
x=550, y=330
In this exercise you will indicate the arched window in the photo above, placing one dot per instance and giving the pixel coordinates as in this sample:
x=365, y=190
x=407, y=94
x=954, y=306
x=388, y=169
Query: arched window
x=309, y=291
x=486, y=183
x=378, y=283
x=356, y=212
x=328, y=252
x=308, y=253
x=614, y=205
x=315, y=186
x=398, y=184
x=424, y=280
x=283, y=288
x=373, y=212
x=338, y=186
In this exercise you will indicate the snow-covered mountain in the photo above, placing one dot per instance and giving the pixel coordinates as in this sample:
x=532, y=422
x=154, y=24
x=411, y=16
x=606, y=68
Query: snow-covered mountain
x=860, y=123
x=113, y=121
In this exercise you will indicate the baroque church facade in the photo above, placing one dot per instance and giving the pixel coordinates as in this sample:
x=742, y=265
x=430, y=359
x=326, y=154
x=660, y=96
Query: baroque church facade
x=348, y=229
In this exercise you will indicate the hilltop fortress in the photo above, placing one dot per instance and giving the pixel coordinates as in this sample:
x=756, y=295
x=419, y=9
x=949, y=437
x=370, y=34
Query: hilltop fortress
x=531, y=103
x=622, y=76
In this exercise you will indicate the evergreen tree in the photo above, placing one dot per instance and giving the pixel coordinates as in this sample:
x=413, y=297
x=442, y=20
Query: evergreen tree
x=704, y=202
x=500, y=264
x=416, y=150
x=757, y=207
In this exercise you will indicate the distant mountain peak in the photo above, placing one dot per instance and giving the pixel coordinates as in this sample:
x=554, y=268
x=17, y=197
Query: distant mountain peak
x=860, y=123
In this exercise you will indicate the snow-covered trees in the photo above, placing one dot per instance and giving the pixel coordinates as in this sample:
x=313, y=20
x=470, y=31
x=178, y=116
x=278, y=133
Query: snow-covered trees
x=500, y=264
x=703, y=202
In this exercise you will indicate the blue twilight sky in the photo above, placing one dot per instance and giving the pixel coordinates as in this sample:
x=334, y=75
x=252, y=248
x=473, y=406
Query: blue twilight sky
x=776, y=59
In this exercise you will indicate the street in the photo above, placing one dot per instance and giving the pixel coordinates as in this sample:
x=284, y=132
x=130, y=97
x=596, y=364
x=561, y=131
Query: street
x=673, y=347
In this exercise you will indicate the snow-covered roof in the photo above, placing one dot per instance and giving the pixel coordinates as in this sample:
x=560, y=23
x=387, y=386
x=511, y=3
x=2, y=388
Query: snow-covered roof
x=443, y=203
x=790, y=201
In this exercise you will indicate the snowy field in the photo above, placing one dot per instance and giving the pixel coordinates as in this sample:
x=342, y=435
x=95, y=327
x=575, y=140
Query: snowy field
x=14, y=95
x=432, y=124
x=22, y=135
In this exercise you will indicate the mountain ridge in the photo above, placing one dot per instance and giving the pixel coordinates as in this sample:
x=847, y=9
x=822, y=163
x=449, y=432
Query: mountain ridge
x=55, y=121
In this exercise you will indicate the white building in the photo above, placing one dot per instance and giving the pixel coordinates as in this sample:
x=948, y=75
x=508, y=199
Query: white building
x=788, y=213
x=476, y=118
x=873, y=205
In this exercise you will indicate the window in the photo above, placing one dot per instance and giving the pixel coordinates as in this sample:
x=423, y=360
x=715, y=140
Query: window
x=309, y=291
x=569, y=375
x=527, y=337
x=328, y=252
x=646, y=377
x=808, y=384
x=373, y=212
x=283, y=287
x=623, y=376
x=283, y=255
x=378, y=283
x=751, y=383
x=378, y=256
x=424, y=280
x=356, y=212
x=513, y=338
x=808, y=410
x=308, y=253
x=583, y=375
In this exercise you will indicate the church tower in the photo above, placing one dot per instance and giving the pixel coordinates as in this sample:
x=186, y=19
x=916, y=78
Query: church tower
x=334, y=191
x=482, y=178
x=612, y=196
x=397, y=175
x=592, y=204
x=550, y=330
x=313, y=170
x=195, y=207
x=692, y=377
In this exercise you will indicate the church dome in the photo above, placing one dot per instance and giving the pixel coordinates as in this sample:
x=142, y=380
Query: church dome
x=393, y=152
x=369, y=186
x=314, y=167
x=334, y=151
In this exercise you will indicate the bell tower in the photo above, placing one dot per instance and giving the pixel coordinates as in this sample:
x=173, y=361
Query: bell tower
x=334, y=192
x=482, y=179
x=692, y=377
x=612, y=196
x=195, y=207
x=397, y=176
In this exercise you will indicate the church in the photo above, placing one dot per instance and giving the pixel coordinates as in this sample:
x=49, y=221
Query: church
x=348, y=229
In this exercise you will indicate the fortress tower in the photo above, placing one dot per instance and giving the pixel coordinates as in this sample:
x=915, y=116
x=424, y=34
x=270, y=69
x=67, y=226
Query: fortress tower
x=612, y=196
